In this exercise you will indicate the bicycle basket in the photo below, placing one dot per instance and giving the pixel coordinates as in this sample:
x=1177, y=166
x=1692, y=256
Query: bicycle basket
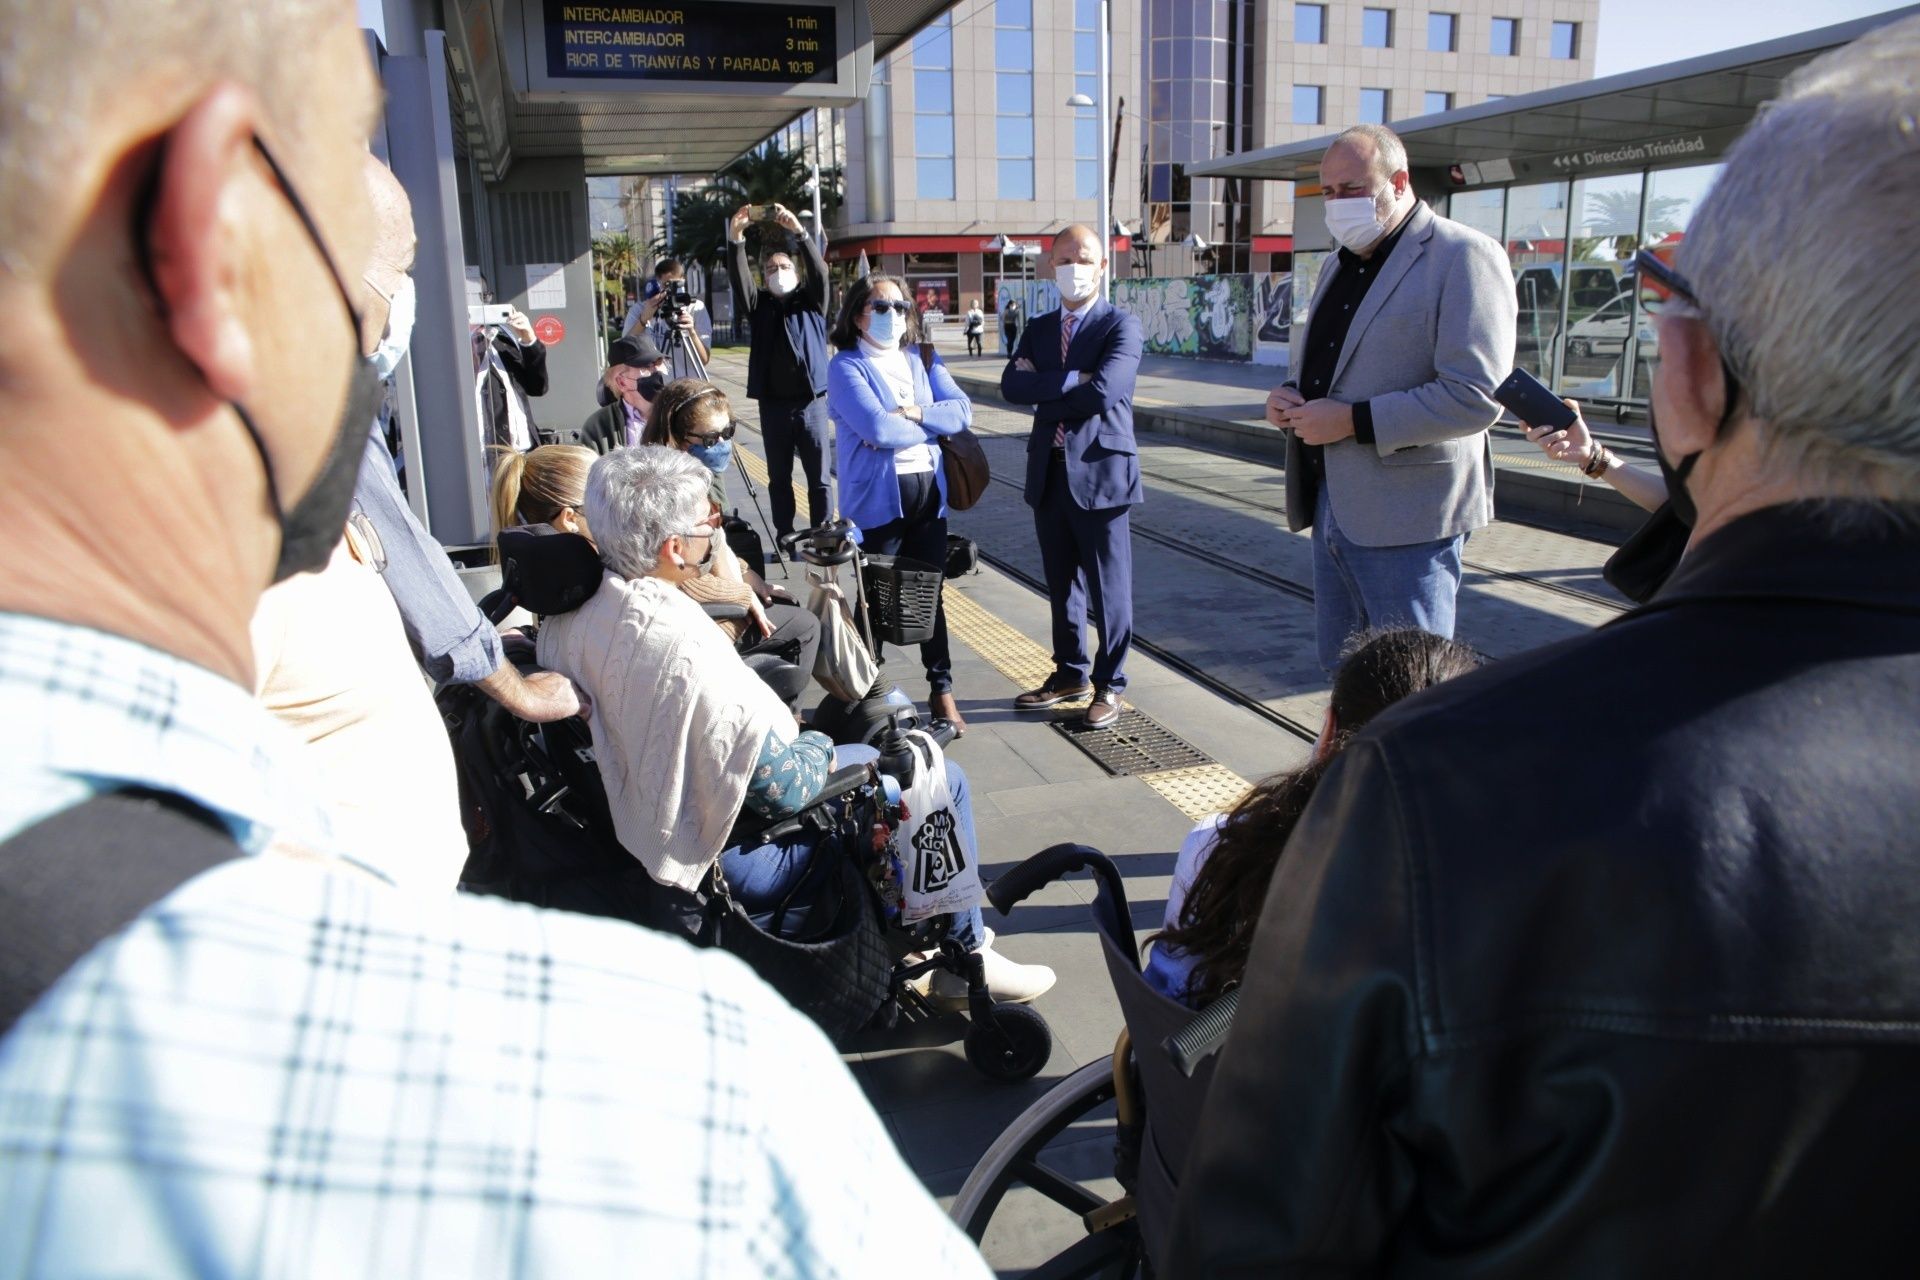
x=902, y=598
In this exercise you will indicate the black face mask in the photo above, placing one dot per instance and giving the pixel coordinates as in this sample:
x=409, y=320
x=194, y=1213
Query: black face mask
x=313, y=525
x=652, y=385
x=1675, y=473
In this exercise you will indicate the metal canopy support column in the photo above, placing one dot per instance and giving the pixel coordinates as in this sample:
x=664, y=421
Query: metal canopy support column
x=446, y=434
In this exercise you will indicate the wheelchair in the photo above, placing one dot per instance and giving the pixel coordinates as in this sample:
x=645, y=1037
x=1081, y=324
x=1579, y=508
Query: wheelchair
x=541, y=832
x=1154, y=1083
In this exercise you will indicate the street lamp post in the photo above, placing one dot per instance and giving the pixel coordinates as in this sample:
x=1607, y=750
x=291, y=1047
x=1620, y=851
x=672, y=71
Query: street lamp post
x=1103, y=195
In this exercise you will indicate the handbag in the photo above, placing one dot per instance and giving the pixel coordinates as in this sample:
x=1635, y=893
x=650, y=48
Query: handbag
x=962, y=459
x=824, y=949
x=842, y=663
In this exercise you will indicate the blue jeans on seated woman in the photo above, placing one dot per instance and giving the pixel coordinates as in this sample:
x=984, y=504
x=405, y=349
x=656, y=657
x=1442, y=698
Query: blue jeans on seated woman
x=761, y=876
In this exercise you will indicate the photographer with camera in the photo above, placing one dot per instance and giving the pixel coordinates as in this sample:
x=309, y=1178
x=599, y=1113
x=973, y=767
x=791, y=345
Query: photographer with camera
x=509, y=365
x=787, y=365
x=675, y=320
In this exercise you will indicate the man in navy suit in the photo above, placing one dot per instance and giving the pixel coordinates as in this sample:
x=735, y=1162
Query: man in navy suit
x=1076, y=367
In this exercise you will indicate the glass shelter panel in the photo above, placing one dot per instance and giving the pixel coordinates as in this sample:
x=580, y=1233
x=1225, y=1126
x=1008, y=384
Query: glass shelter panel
x=1536, y=239
x=1600, y=312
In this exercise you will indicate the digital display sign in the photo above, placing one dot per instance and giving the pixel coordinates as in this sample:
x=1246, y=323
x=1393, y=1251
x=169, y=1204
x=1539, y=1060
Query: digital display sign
x=774, y=44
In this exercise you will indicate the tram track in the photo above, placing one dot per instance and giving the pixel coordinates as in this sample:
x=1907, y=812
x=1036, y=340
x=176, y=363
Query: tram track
x=1305, y=590
x=1168, y=658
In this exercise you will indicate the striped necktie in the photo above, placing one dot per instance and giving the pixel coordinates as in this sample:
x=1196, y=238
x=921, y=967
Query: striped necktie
x=1067, y=321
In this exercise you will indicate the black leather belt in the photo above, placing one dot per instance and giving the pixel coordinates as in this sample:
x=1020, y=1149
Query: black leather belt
x=1058, y=455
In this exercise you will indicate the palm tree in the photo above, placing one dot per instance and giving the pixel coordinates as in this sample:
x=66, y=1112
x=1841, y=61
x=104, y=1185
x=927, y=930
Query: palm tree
x=1617, y=213
x=617, y=261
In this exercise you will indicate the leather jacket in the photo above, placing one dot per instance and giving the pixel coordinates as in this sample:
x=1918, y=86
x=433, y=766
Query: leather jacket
x=1604, y=960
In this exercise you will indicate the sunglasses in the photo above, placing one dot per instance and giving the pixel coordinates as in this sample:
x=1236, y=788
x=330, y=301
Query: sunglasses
x=1660, y=283
x=880, y=308
x=711, y=438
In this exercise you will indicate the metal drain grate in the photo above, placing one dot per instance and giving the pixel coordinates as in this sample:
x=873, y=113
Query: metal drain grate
x=1137, y=744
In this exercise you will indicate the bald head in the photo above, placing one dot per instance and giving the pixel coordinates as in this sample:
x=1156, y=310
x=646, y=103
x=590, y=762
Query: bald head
x=62, y=98
x=394, y=244
x=1077, y=262
x=394, y=241
x=1077, y=236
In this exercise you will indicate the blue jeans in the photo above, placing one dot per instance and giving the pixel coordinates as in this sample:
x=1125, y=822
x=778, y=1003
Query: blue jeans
x=762, y=875
x=1358, y=588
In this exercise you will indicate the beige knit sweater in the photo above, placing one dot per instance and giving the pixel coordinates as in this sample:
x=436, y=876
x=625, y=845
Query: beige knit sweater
x=678, y=719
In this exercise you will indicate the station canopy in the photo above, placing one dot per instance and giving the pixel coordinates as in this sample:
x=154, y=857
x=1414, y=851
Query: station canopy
x=639, y=88
x=1683, y=112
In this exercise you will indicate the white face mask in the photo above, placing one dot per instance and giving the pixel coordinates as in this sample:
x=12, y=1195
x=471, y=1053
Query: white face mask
x=400, y=312
x=1355, y=222
x=1076, y=280
x=886, y=328
x=782, y=281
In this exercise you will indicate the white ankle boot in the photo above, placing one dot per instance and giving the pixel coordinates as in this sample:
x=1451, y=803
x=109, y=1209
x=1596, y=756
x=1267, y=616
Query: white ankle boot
x=1008, y=981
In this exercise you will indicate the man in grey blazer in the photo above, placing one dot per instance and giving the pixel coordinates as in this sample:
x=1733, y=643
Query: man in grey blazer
x=1410, y=330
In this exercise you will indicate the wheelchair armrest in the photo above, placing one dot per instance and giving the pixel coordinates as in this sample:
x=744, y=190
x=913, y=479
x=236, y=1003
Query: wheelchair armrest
x=840, y=782
x=725, y=612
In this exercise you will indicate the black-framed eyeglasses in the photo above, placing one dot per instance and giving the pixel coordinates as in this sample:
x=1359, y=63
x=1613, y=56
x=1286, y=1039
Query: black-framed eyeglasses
x=1659, y=282
x=880, y=307
x=710, y=438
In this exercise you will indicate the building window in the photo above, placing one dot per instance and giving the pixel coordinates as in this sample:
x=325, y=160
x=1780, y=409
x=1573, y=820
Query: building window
x=1373, y=106
x=1309, y=24
x=1506, y=38
x=1440, y=32
x=1376, y=28
x=1013, y=107
x=933, y=111
x=1436, y=102
x=1309, y=104
x=1566, y=40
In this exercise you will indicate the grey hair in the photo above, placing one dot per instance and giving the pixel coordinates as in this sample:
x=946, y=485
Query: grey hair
x=1802, y=257
x=1381, y=143
x=57, y=75
x=638, y=498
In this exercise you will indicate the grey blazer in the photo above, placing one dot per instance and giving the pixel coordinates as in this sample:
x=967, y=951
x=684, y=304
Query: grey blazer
x=1426, y=349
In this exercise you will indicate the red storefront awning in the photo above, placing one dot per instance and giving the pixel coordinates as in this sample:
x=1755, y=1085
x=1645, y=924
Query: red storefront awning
x=846, y=250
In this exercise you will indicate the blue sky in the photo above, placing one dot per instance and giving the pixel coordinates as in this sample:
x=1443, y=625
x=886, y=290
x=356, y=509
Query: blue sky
x=1645, y=33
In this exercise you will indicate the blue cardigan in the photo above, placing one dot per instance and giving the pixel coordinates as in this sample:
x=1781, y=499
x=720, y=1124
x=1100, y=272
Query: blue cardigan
x=867, y=433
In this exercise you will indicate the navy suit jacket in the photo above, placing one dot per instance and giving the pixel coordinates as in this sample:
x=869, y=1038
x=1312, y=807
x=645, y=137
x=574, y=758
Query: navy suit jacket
x=1103, y=469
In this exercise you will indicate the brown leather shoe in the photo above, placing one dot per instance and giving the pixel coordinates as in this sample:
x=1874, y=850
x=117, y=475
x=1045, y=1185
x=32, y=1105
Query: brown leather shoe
x=1050, y=694
x=1104, y=711
x=941, y=706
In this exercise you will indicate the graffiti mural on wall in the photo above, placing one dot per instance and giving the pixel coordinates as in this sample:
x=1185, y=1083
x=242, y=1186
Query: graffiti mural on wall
x=1208, y=316
x=1273, y=307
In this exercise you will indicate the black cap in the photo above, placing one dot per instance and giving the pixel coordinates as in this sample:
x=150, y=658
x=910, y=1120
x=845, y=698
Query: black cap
x=636, y=352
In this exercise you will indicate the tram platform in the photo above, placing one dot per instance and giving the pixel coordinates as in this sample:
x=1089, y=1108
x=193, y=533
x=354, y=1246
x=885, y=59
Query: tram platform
x=1224, y=689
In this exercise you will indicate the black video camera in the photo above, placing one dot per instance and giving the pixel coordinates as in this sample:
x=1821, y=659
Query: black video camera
x=678, y=302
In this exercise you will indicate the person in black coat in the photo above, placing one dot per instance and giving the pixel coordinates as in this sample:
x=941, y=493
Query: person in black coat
x=1600, y=961
x=787, y=363
x=636, y=374
x=510, y=363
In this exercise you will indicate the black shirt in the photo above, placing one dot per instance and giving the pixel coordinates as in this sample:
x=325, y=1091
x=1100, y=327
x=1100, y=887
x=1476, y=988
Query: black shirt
x=1327, y=330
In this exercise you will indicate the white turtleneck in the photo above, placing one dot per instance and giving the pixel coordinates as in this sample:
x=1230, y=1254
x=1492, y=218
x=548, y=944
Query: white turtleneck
x=896, y=370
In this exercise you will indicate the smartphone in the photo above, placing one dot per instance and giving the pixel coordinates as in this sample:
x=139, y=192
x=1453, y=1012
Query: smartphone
x=486, y=313
x=755, y=212
x=1528, y=399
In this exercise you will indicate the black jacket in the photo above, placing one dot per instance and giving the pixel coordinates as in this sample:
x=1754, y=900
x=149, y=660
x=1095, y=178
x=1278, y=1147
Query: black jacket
x=1603, y=961
x=788, y=356
x=527, y=368
x=605, y=428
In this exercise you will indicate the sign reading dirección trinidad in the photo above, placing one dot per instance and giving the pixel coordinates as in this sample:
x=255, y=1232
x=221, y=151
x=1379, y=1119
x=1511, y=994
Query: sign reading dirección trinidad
x=730, y=43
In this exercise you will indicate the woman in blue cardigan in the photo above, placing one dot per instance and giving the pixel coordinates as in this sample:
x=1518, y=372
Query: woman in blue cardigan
x=888, y=408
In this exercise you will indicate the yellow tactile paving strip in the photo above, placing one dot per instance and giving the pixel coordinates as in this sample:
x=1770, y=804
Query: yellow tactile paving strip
x=1196, y=791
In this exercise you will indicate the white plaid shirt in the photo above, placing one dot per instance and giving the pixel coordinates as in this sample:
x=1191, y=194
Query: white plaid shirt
x=282, y=1070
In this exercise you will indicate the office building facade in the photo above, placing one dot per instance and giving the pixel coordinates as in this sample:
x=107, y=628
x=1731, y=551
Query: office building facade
x=967, y=135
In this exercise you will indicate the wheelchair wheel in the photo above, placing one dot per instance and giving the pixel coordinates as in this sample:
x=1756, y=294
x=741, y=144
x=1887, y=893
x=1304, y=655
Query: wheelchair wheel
x=1013, y=1046
x=1108, y=1241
